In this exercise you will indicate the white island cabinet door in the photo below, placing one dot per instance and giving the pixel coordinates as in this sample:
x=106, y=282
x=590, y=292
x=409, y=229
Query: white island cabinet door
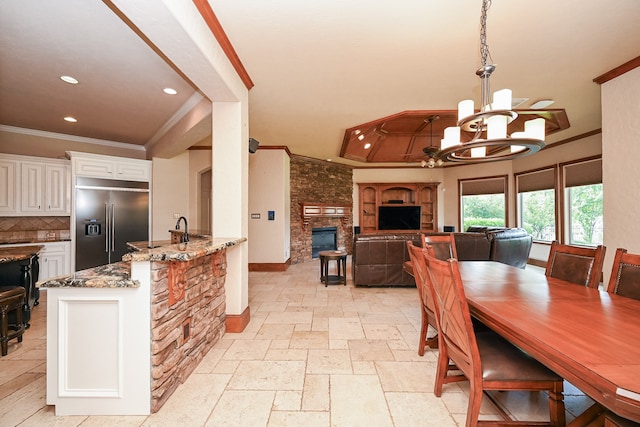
x=98, y=349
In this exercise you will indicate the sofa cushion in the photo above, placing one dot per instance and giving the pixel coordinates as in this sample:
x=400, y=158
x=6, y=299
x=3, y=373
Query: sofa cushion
x=472, y=246
x=378, y=259
x=510, y=246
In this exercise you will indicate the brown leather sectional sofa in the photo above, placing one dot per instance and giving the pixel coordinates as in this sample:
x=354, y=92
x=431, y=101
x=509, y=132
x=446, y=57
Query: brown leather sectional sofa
x=377, y=259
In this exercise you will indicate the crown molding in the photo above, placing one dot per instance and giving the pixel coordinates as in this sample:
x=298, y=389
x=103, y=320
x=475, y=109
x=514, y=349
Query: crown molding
x=74, y=138
x=214, y=25
x=618, y=71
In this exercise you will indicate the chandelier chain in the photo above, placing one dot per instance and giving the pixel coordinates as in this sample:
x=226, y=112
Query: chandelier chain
x=484, y=47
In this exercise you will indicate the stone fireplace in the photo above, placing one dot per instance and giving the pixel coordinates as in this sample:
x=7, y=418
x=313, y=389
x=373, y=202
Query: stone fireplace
x=322, y=185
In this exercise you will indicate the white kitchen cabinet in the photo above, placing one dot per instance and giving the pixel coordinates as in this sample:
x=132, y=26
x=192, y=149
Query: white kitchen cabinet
x=133, y=171
x=57, y=189
x=32, y=175
x=33, y=186
x=110, y=167
x=94, y=167
x=45, y=188
x=8, y=186
x=55, y=260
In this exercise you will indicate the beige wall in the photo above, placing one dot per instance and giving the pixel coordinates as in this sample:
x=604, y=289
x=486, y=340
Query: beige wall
x=169, y=194
x=269, y=241
x=620, y=169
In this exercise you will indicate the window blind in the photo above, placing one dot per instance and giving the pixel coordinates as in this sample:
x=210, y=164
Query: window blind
x=483, y=186
x=536, y=181
x=583, y=173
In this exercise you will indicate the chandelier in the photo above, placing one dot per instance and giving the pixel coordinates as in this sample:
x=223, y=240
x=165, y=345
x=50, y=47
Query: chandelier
x=490, y=141
x=431, y=152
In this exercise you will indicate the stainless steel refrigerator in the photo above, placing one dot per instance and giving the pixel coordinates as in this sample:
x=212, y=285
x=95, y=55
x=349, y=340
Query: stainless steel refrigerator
x=109, y=213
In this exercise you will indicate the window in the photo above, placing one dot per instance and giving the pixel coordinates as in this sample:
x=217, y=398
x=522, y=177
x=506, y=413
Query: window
x=583, y=202
x=536, y=204
x=483, y=202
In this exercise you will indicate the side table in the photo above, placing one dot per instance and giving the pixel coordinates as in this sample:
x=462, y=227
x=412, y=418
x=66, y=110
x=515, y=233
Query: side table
x=341, y=260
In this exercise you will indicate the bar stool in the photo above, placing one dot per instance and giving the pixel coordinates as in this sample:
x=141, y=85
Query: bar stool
x=11, y=300
x=341, y=259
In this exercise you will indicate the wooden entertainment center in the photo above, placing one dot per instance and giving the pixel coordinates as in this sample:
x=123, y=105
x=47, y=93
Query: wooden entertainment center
x=375, y=195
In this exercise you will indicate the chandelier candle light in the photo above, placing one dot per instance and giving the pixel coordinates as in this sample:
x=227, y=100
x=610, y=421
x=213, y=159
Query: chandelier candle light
x=492, y=120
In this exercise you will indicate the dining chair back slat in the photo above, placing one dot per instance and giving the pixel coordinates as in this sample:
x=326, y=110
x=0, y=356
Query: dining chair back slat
x=420, y=274
x=576, y=264
x=625, y=275
x=444, y=246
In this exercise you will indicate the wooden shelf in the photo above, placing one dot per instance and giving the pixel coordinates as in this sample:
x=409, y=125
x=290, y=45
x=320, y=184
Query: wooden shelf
x=319, y=210
x=374, y=195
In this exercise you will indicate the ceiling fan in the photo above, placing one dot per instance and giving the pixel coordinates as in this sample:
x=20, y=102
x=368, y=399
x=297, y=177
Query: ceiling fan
x=431, y=152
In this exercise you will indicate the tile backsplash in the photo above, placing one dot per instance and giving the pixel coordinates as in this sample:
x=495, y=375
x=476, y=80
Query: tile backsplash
x=26, y=228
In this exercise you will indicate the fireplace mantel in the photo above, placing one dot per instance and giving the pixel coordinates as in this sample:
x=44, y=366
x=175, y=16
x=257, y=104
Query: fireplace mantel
x=324, y=210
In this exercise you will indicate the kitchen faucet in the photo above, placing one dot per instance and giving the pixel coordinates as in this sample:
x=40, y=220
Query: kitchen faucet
x=185, y=238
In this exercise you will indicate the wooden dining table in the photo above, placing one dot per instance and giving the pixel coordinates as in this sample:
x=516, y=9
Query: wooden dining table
x=588, y=336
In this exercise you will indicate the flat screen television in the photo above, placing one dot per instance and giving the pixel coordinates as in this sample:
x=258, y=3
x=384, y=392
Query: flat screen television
x=398, y=217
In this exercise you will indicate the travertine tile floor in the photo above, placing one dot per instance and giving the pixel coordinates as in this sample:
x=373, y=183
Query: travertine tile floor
x=311, y=356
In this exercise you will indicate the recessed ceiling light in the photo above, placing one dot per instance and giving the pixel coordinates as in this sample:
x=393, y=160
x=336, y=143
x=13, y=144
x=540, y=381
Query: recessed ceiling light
x=360, y=137
x=70, y=119
x=542, y=103
x=69, y=80
x=169, y=91
x=367, y=146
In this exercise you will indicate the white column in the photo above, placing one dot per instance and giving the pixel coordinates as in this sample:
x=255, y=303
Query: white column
x=230, y=200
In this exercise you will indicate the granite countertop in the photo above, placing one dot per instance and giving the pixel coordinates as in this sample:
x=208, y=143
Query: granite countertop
x=116, y=275
x=18, y=253
x=35, y=240
x=164, y=251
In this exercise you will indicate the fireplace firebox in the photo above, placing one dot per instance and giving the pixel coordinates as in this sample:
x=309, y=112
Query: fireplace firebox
x=323, y=239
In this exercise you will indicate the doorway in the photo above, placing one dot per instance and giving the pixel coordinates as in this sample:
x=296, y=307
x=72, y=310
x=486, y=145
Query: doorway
x=204, y=201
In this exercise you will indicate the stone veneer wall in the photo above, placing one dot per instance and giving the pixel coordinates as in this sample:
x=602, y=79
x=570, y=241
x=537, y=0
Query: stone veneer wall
x=317, y=181
x=199, y=306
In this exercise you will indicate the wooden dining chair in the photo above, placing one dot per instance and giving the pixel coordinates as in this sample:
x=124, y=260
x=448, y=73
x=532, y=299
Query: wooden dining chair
x=625, y=275
x=419, y=269
x=576, y=264
x=488, y=361
x=444, y=246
